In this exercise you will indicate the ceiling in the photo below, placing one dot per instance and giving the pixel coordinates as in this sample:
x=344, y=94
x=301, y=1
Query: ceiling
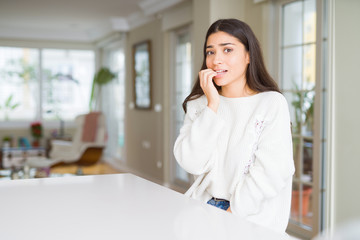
x=75, y=20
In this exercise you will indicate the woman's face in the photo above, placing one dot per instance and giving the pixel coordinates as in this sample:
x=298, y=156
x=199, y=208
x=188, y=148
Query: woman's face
x=227, y=56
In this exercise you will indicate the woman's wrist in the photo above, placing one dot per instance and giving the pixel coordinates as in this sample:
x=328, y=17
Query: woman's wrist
x=213, y=106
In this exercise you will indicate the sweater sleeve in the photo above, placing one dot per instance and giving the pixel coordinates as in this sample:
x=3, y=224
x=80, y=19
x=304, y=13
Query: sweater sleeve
x=271, y=165
x=195, y=147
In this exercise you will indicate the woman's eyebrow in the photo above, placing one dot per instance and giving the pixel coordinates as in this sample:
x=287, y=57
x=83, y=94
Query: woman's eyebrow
x=221, y=44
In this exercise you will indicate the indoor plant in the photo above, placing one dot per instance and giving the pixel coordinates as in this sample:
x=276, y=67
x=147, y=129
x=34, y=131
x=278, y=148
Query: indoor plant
x=36, y=133
x=102, y=77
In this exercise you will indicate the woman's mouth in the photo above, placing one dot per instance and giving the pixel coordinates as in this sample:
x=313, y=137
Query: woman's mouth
x=220, y=73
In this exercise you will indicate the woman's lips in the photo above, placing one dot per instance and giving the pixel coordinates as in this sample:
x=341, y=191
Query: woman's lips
x=220, y=73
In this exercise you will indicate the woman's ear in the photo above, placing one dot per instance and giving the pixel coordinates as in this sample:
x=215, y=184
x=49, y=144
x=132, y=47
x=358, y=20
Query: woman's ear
x=247, y=58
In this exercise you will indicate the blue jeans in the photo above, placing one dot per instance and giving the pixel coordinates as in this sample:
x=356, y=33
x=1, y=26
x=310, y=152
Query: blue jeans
x=219, y=203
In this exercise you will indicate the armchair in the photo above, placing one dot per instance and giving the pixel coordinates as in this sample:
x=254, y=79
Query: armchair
x=87, y=145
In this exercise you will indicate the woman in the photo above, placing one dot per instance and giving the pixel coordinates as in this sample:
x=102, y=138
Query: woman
x=236, y=137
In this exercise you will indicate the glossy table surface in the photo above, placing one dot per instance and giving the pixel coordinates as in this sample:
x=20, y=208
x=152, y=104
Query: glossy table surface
x=115, y=206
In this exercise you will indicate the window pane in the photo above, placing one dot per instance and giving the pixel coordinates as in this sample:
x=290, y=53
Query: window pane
x=292, y=68
x=301, y=206
x=182, y=89
x=292, y=24
x=113, y=94
x=67, y=81
x=294, y=103
x=308, y=113
x=180, y=76
x=181, y=174
x=307, y=209
x=309, y=21
x=309, y=67
x=19, y=83
x=295, y=199
x=307, y=171
x=297, y=157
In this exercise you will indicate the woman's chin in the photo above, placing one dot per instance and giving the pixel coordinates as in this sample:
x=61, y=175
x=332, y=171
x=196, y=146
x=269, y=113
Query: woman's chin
x=219, y=82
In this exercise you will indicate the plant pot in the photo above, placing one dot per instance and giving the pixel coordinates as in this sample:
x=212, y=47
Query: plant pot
x=306, y=193
x=36, y=143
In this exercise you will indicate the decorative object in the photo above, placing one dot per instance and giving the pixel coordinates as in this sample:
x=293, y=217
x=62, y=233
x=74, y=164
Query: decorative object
x=102, y=77
x=23, y=142
x=7, y=142
x=142, y=74
x=36, y=133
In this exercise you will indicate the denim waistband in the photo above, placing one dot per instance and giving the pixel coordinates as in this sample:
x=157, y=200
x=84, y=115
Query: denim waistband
x=219, y=203
x=219, y=199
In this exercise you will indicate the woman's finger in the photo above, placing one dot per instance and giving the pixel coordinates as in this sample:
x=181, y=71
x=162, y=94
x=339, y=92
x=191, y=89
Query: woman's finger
x=206, y=76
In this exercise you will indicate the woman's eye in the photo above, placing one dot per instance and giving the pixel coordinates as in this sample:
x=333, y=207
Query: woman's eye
x=227, y=50
x=209, y=53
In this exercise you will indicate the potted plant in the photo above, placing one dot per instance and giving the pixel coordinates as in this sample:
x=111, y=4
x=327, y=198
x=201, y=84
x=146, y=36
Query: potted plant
x=7, y=142
x=303, y=104
x=36, y=133
x=305, y=200
x=102, y=77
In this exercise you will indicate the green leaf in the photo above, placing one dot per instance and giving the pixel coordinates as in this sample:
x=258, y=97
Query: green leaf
x=8, y=101
x=14, y=106
x=102, y=77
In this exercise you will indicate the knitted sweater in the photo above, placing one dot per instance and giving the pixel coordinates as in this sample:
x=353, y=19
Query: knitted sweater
x=242, y=153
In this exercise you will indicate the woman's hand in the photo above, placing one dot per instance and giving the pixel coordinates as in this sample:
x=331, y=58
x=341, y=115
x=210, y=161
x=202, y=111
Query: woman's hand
x=229, y=210
x=207, y=85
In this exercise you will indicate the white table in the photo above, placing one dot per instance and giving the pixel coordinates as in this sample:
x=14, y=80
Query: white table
x=116, y=206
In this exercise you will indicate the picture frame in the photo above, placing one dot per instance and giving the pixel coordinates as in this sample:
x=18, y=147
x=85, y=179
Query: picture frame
x=142, y=75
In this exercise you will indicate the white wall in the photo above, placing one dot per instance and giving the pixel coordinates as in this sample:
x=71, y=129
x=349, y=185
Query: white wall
x=346, y=122
x=227, y=9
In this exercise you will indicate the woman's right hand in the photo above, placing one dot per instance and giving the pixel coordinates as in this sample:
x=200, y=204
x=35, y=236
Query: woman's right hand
x=210, y=91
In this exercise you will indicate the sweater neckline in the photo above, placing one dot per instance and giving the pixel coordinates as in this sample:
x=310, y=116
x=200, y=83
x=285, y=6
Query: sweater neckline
x=237, y=99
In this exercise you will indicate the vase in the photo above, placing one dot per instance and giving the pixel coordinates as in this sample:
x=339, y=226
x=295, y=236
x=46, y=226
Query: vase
x=306, y=193
x=36, y=143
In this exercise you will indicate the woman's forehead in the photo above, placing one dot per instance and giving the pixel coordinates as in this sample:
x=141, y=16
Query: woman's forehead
x=220, y=38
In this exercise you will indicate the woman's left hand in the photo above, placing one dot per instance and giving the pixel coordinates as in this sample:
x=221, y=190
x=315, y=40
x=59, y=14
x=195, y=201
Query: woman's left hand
x=229, y=210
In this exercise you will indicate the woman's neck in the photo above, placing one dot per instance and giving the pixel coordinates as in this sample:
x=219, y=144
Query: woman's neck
x=236, y=92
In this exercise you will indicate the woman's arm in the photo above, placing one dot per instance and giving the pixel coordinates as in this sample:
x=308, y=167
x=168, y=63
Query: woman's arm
x=195, y=147
x=273, y=164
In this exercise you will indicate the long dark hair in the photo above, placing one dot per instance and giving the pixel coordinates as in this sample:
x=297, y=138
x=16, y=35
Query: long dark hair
x=257, y=77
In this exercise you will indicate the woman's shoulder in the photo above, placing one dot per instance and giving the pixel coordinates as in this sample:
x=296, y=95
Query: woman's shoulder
x=271, y=95
x=273, y=98
x=274, y=104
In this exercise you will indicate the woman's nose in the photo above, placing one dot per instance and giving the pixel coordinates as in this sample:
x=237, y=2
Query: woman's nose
x=218, y=59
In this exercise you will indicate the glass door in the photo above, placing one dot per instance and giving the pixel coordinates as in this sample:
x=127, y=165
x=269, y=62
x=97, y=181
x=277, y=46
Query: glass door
x=180, y=87
x=302, y=48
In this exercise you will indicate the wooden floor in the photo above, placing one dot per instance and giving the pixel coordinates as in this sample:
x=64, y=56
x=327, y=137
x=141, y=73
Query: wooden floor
x=99, y=168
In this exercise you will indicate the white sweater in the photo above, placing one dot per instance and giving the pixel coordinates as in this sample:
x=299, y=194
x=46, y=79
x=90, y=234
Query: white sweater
x=242, y=153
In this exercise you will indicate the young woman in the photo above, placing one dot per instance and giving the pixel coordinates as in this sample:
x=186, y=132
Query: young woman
x=236, y=137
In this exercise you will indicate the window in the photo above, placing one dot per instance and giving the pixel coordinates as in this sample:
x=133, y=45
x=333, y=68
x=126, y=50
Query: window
x=67, y=77
x=112, y=99
x=61, y=91
x=181, y=88
x=302, y=52
x=19, y=74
